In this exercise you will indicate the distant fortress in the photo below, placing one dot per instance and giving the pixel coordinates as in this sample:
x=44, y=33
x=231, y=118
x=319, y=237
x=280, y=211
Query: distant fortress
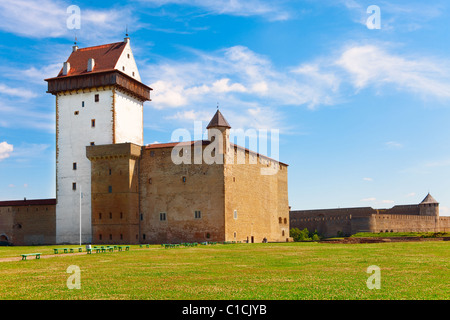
x=422, y=217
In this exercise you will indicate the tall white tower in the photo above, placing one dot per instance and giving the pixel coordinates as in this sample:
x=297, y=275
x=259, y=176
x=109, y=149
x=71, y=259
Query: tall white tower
x=99, y=100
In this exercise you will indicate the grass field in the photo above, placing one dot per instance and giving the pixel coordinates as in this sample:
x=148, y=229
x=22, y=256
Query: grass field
x=414, y=270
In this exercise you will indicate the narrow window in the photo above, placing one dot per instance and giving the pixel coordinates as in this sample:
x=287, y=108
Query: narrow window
x=141, y=216
x=149, y=180
x=133, y=73
x=93, y=123
x=110, y=171
x=110, y=215
x=97, y=98
x=235, y=214
x=184, y=179
x=198, y=214
x=100, y=216
x=110, y=236
x=82, y=104
x=143, y=236
x=123, y=68
x=110, y=189
x=74, y=166
x=121, y=215
x=128, y=55
x=76, y=113
x=74, y=186
x=99, y=237
x=92, y=143
x=162, y=216
x=121, y=236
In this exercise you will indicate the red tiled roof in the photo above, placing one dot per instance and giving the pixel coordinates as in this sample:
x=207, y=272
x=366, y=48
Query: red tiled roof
x=33, y=202
x=105, y=58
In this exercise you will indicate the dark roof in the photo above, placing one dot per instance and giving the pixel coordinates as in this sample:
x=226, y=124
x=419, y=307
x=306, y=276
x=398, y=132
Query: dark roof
x=429, y=199
x=105, y=57
x=218, y=121
x=204, y=142
x=33, y=202
x=173, y=144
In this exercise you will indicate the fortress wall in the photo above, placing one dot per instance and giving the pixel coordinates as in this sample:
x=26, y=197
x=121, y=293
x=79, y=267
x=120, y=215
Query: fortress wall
x=329, y=222
x=444, y=224
x=178, y=191
x=256, y=187
x=28, y=224
x=329, y=226
x=405, y=223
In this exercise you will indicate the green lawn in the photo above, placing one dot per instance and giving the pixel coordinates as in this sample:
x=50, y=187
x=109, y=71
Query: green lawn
x=415, y=270
x=401, y=234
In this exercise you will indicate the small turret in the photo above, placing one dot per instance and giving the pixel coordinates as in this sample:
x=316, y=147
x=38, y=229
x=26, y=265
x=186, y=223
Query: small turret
x=429, y=206
x=218, y=123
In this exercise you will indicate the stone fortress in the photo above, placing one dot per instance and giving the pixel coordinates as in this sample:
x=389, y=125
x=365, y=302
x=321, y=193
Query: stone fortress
x=110, y=188
x=422, y=217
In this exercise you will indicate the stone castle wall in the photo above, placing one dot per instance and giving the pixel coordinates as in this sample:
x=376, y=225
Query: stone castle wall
x=171, y=194
x=25, y=224
x=256, y=198
x=348, y=221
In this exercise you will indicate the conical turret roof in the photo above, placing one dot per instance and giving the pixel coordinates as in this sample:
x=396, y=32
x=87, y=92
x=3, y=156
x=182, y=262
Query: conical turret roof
x=218, y=121
x=429, y=199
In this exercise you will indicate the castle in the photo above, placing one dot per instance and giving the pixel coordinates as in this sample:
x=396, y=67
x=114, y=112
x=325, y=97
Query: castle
x=110, y=188
x=422, y=217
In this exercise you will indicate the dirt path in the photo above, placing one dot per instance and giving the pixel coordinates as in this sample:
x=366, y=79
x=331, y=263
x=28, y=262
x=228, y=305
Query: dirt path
x=42, y=256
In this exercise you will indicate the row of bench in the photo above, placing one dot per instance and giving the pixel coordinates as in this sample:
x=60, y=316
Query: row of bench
x=73, y=250
x=67, y=250
x=99, y=249
x=185, y=244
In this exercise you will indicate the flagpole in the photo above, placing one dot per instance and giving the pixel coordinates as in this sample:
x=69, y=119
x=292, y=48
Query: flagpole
x=80, y=214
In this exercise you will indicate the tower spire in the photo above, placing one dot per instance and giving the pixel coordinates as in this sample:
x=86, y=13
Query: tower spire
x=75, y=46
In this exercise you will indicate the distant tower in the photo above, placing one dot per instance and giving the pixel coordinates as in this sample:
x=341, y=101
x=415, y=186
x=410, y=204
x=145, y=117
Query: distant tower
x=99, y=100
x=429, y=206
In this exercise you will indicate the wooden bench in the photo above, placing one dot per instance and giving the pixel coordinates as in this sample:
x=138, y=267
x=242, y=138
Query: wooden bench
x=24, y=256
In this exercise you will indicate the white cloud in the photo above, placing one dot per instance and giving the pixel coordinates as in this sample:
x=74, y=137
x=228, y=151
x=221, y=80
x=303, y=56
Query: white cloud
x=394, y=144
x=17, y=92
x=368, y=199
x=370, y=65
x=252, y=88
x=48, y=18
x=411, y=194
x=5, y=150
x=444, y=211
x=270, y=10
x=387, y=201
x=367, y=179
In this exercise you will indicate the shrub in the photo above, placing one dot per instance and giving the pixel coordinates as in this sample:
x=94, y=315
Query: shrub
x=303, y=235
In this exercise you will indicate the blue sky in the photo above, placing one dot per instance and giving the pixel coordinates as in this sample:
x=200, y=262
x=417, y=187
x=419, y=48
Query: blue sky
x=362, y=113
